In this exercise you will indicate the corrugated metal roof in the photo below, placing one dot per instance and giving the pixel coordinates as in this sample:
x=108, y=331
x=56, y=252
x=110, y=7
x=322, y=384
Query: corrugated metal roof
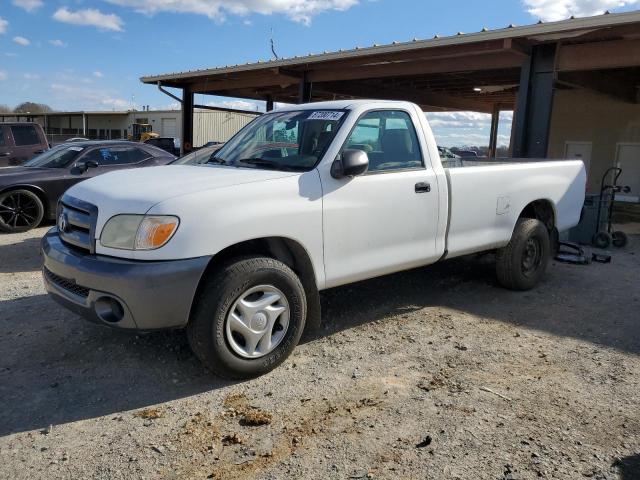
x=512, y=31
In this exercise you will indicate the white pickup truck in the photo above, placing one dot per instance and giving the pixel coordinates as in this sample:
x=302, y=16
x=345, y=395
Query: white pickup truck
x=304, y=198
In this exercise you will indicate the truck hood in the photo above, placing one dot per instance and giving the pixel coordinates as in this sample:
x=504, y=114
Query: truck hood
x=137, y=190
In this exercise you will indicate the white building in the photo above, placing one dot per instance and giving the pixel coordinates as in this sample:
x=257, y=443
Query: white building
x=210, y=125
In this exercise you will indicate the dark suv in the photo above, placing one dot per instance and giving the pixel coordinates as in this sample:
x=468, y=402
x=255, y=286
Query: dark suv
x=20, y=141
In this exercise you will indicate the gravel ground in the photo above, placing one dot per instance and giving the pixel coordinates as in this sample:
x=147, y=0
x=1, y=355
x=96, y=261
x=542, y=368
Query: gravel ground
x=435, y=373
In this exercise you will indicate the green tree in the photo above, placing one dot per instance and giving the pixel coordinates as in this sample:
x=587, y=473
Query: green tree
x=31, y=107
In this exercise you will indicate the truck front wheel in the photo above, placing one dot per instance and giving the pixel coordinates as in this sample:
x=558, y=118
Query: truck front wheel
x=248, y=317
x=522, y=263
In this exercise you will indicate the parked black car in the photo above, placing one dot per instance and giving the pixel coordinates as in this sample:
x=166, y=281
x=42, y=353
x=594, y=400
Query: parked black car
x=29, y=193
x=20, y=141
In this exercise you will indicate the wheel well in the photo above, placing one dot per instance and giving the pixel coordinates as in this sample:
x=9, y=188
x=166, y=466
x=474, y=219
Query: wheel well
x=39, y=193
x=542, y=210
x=289, y=252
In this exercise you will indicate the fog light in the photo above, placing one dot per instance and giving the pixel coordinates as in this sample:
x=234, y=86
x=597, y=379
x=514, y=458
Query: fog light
x=109, y=309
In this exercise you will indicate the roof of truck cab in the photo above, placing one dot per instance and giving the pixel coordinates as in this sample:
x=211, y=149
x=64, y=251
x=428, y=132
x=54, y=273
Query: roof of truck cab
x=338, y=105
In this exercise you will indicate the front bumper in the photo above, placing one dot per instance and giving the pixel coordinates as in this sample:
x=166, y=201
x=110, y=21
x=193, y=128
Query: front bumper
x=121, y=293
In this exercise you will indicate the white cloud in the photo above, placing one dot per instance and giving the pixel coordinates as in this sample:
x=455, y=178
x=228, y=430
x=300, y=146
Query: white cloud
x=89, y=17
x=236, y=104
x=552, y=10
x=31, y=76
x=3, y=26
x=298, y=10
x=3, y=75
x=98, y=74
x=21, y=41
x=464, y=129
x=69, y=96
x=28, y=5
x=118, y=103
x=57, y=43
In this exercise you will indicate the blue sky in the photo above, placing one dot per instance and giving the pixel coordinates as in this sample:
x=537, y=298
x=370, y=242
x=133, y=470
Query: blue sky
x=82, y=54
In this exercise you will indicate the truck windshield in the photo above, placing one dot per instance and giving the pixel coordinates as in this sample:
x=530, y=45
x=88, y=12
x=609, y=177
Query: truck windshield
x=290, y=141
x=57, y=157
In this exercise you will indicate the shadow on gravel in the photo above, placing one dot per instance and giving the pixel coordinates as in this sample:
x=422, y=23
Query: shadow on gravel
x=594, y=303
x=22, y=256
x=628, y=467
x=55, y=368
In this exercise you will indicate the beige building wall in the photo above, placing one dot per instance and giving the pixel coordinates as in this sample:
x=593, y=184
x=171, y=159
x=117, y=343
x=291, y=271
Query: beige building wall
x=217, y=126
x=585, y=116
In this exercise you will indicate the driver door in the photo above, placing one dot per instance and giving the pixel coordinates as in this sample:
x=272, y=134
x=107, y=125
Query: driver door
x=386, y=219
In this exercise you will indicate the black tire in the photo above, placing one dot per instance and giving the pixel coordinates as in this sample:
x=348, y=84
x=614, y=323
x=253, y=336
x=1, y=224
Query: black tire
x=619, y=239
x=218, y=294
x=601, y=240
x=522, y=263
x=20, y=210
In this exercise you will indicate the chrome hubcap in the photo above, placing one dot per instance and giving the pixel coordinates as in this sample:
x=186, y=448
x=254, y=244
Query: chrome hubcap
x=257, y=321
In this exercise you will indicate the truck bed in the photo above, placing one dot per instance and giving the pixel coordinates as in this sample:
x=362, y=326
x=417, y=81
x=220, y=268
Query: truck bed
x=486, y=198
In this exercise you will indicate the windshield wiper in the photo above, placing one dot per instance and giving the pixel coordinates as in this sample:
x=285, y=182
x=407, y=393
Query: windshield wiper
x=220, y=161
x=262, y=162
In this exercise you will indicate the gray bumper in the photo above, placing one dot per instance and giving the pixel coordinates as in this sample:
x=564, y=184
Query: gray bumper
x=121, y=293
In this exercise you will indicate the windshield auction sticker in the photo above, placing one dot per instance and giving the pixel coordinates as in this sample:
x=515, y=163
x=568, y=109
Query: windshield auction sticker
x=326, y=115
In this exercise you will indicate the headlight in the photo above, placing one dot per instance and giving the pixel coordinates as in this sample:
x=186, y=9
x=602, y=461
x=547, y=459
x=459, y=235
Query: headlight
x=138, y=232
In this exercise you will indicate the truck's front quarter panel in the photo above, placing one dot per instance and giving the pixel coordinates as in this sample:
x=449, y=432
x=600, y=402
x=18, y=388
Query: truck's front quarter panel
x=212, y=220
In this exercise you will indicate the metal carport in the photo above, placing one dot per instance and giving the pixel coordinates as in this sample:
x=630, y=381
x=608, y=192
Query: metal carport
x=514, y=68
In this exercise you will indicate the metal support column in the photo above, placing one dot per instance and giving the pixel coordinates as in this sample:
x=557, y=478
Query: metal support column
x=186, y=140
x=304, y=91
x=269, y=103
x=84, y=125
x=532, y=117
x=493, y=135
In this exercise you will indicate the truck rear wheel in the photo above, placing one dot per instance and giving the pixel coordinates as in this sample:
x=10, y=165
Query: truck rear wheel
x=248, y=317
x=522, y=263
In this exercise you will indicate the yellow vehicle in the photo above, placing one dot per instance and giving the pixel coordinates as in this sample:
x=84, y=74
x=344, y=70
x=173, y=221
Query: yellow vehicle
x=141, y=132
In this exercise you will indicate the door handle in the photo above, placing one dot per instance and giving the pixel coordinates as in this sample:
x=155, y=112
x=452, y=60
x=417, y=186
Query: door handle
x=423, y=187
x=6, y=154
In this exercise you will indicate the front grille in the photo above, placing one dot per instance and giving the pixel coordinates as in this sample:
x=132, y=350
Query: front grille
x=66, y=284
x=76, y=223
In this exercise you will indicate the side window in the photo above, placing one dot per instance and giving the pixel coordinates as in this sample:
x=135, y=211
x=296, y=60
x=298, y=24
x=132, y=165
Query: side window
x=136, y=155
x=2, y=142
x=25, y=135
x=389, y=138
x=107, y=156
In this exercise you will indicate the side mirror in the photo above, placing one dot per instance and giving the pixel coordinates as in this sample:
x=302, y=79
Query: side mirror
x=350, y=164
x=81, y=167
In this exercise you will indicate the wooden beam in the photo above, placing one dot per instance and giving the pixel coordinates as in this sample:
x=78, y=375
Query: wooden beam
x=276, y=77
x=599, y=55
x=450, y=65
x=421, y=97
x=450, y=51
x=601, y=83
x=267, y=78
